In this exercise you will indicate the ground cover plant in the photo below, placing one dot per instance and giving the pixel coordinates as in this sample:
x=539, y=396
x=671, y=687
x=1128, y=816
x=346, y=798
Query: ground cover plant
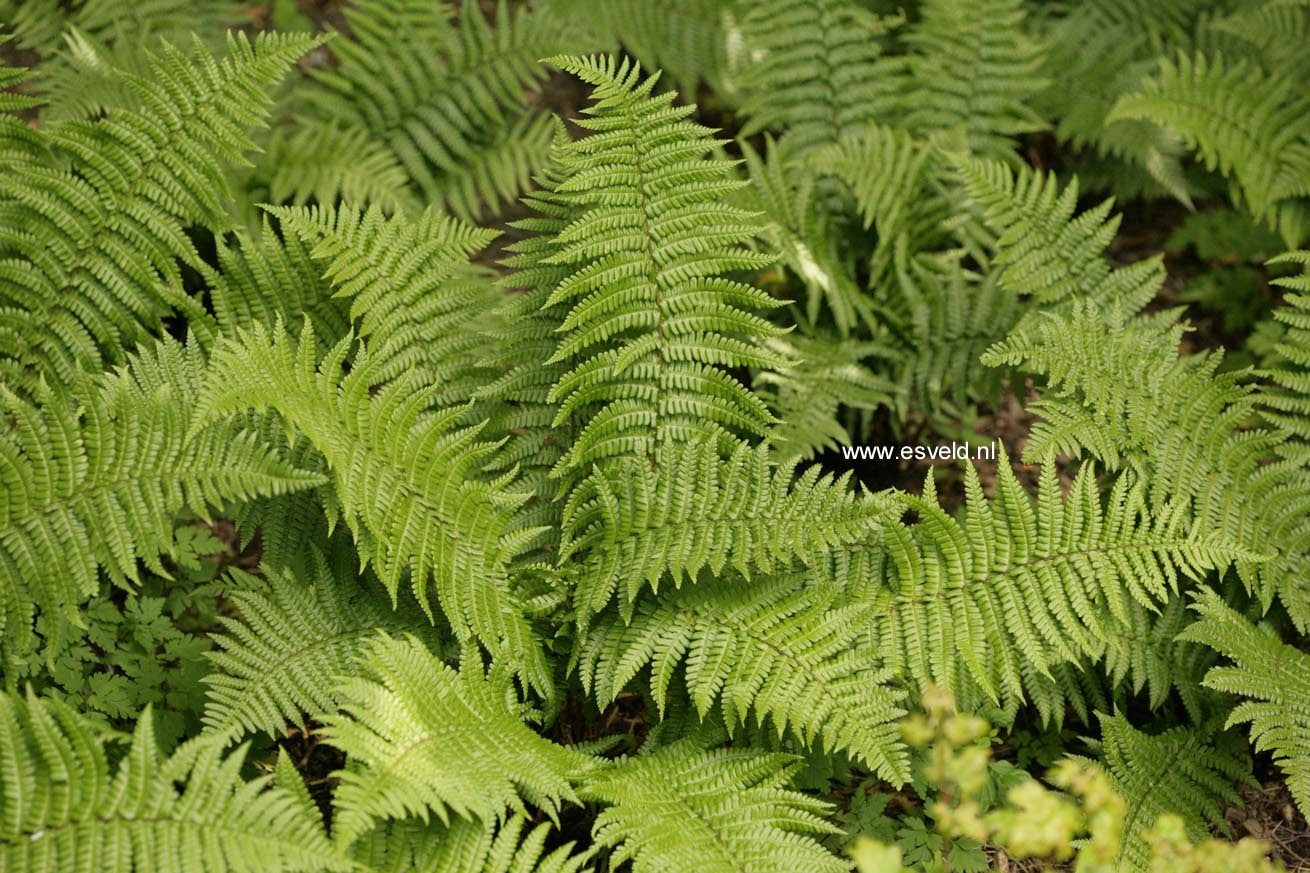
x=449, y=436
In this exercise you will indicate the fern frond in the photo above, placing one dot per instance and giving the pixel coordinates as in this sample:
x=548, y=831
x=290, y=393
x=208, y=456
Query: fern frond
x=725, y=810
x=465, y=846
x=424, y=739
x=1049, y=254
x=62, y=809
x=94, y=479
x=1180, y=771
x=653, y=322
x=324, y=161
x=974, y=68
x=1288, y=405
x=1273, y=677
x=774, y=648
x=637, y=522
x=1248, y=124
x=1121, y=391
x=1017, y=587
x=269, y=278
x=449, y=99
x=90, y=241
x=406, y=479
x=293, y=639
x=810, y=69
x=411, y=289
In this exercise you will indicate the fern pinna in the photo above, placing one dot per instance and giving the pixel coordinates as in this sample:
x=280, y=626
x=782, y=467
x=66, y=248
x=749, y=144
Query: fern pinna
x=447, y=432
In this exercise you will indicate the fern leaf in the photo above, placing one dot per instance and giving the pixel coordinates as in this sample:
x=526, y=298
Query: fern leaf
x=1179, y=771
x=972, y=67
x=1273, y=677
x=1015, y=588
x=810, y=68
x=282, y=658
x=636, y=522
x=94, y=479
x=424, y=739
x=437, y=521
x=774, y=648
x=653, y=320
x=62, y=810
x=465, y=846
x=92, y=251
x=1288, y=405
x=1242, y=121
x=716, y=811
x=449, y=100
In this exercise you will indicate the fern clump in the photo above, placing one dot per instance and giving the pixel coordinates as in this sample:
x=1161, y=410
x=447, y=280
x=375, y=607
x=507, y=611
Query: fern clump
x=564, y=436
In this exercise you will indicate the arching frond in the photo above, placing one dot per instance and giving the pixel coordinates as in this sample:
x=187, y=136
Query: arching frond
x=637, y=523
x=1274, y=679
x=412, y=292
x=94, y=479
x=1017, y=587
x=723, y=810
x=1250, y=125
x=64, y=810
x=777, y=648
x=282, y=658
x=91, y=238
x=439, y=522
x=1288, y=404
x=422, y=739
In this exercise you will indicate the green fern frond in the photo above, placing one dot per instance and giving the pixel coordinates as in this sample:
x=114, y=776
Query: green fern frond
x=63, y=810
x=94, y=479
x=1121, y=391
x=972, y=67
x=773, y=648
x=1047, y=253
x=1288, y=405
x=465, y=846
x=1273, y=677
x=810, y=69
x=1250, y=125
x=281, y=658
x=412, y=292
x=91, y=239
x=323, y=161
x=1180, y=771
x=269, y=278
x=438, y=522
x=654, y=321
x=449, y=99
x=636, y=522
x=424, y=739
x=1017, y=587
x=725, y=810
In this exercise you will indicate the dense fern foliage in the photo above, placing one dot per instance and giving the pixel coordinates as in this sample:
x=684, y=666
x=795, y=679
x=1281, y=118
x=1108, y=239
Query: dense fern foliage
x=680, y=435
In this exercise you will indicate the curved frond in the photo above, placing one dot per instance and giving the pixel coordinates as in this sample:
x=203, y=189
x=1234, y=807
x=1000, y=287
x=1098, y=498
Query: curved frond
x=776, y=648
x=438, y=521
x=715, y=811
x=91, y=240
x=1274, y=679
x=465, y=846
x=293, y=639
x=1019, y=586
x=63, y=810
x=93, y=480
x=424, y=739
